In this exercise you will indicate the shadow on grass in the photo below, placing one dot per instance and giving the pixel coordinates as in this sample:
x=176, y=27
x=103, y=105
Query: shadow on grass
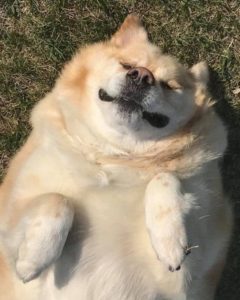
x=229, y=287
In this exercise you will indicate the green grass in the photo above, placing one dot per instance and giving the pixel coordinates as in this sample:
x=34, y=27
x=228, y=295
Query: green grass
x=38, y=36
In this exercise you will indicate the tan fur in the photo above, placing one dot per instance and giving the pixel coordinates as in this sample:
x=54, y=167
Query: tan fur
x=13, y=170
x=6, y=287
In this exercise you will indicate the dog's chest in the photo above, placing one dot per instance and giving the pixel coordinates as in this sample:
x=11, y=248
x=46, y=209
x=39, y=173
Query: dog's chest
x=70, y=174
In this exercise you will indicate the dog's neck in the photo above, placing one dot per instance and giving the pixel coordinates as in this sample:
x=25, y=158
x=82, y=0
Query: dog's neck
x=184, y=153
x=202, y=139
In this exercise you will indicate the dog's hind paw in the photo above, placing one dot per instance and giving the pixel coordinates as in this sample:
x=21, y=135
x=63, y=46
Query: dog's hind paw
x=27, y=271
x=43, y=243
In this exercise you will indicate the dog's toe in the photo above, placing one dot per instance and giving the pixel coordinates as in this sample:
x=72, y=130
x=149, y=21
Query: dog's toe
x=27, y=271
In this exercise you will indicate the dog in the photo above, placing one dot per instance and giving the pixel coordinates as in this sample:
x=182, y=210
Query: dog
x=117, y=192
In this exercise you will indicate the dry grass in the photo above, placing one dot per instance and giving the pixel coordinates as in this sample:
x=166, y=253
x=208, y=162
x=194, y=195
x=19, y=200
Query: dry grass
x=37, y=37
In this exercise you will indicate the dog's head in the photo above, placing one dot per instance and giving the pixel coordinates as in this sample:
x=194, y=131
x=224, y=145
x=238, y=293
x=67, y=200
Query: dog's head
x=126, y=86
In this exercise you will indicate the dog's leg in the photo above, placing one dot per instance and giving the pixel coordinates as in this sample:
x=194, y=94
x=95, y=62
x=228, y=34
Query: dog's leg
x=165, y=207
x=44, y=229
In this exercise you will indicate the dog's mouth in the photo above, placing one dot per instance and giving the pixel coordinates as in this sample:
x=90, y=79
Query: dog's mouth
x=129, y=106
x=103, y=95
x=155, y=119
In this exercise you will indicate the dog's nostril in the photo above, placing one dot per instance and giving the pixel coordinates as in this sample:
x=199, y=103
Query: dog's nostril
x=141, y=76
x=146, y=79
x=133, y=73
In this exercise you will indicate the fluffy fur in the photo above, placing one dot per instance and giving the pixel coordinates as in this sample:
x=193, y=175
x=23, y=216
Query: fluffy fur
x=99, y=204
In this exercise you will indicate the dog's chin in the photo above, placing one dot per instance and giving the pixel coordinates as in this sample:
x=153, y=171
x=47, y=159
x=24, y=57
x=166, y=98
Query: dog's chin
x=127, y=107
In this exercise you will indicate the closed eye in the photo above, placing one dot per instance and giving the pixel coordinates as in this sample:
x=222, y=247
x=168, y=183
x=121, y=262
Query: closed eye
x=126, y=66
x=170, y=85
x=165, y=85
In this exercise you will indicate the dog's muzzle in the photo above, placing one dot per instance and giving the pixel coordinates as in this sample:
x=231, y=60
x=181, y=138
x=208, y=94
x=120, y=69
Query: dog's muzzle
x=138, y=83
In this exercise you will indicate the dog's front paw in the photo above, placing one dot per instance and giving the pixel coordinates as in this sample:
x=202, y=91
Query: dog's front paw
x=42, y=245
x=170, y=247
x=165, y=209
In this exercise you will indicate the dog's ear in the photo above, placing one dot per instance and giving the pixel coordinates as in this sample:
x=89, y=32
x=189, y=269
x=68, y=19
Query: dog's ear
x=200, y=73
x=130, y=31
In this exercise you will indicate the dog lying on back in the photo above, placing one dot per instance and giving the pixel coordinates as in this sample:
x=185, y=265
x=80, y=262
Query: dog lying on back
x=118, y=182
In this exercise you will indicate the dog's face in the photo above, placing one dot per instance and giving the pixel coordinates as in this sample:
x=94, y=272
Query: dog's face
x=133, y=89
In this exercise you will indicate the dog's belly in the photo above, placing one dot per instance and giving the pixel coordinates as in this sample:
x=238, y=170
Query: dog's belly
x=109, y=255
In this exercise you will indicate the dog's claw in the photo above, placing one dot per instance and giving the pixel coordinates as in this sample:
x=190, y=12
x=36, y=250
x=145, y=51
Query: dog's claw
x=187, y=251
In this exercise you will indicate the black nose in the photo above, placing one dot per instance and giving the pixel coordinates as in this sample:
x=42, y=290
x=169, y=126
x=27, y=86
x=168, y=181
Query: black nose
x=141, y=76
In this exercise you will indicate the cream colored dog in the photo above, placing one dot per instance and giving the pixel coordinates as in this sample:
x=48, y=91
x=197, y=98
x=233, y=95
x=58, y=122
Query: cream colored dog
x=118, y=182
